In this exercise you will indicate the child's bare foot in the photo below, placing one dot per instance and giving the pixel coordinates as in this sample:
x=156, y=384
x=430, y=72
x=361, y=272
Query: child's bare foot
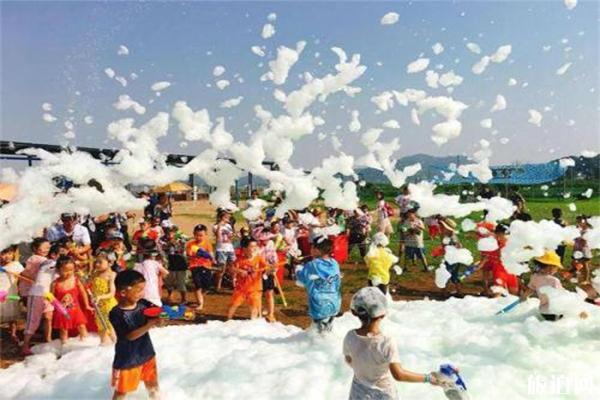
x=26, y=351
x=271, y=318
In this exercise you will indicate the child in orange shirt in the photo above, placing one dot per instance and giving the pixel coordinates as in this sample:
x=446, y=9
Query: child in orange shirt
x=199, y=252
x=248, y=287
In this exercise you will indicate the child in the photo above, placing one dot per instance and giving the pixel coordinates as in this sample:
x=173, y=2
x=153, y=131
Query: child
x=547, y=265
x=321, y=278
x=225, y=253
x=557, y=218
x=114, y=246
x=68, y=290
x=135, y=359
x=174, y=248
x=144, y=232
x=372, y=355
x=103, y=293
x=153, y=272
x=10, y=310
x=582, y=253
x=269, y=253
x=40, y=248
x=248, y=288
x=492, y=261
x=290, y=239
x=449, y=238
x=413, y=239
x=359, y=225
x=199, y=251
x=383, y=215
x=379, y=260
x=38, y=306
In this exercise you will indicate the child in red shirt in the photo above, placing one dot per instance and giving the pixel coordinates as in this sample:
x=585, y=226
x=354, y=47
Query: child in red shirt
x=492, y=261
x=68, y=290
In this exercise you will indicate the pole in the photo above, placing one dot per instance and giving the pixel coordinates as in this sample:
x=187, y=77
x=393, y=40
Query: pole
x=250, y=184
x=237, y=193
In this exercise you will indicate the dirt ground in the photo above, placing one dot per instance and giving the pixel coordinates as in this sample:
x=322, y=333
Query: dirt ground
x=410, y=286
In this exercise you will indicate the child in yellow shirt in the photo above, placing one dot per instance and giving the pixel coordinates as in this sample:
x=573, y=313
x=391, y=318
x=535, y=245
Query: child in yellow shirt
x=379, y=260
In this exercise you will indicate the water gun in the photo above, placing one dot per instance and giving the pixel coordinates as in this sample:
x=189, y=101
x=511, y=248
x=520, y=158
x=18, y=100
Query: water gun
x=509, y=307
x=468, y=272
x=57, y=304
x=4, y=296
x=101, y=317
x=170, y=312
x=204, y=254
x=18, y=276
x=452, y=383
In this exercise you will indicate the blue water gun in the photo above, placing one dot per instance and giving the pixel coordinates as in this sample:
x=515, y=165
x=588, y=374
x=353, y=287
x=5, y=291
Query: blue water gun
x=169, y=312
x=468, y=272
x=453, y=384
x=509, y=307
x=204, y=254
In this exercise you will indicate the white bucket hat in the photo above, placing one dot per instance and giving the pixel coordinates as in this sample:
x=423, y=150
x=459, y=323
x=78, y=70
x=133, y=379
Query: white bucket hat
x=370, y=301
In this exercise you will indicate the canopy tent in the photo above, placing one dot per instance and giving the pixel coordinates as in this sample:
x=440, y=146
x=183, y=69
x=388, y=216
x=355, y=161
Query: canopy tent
x=8, y=191
x=173, y=187
x=522, y=174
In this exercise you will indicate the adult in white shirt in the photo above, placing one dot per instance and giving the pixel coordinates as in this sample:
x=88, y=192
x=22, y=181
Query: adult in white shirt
x=70, y=228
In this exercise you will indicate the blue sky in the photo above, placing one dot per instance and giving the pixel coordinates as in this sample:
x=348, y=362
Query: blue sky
x=57, y=51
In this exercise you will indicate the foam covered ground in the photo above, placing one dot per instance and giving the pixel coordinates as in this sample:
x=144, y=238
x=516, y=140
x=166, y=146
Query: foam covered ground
x=498, y=355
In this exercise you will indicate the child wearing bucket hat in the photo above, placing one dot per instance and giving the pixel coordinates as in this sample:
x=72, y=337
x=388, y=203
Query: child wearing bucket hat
x=372, y=355
x=546, y=267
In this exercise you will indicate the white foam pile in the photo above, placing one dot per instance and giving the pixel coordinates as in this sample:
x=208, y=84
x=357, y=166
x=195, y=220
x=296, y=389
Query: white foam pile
x=498, y=356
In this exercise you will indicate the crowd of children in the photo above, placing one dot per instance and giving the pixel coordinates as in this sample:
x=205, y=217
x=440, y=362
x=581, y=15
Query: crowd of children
x=73, y=284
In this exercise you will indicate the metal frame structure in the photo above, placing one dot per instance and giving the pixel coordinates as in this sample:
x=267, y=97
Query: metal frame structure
x=11, y=150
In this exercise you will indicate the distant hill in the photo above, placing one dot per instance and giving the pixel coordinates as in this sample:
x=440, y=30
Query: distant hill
x=430, y=167
x=585, y=168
